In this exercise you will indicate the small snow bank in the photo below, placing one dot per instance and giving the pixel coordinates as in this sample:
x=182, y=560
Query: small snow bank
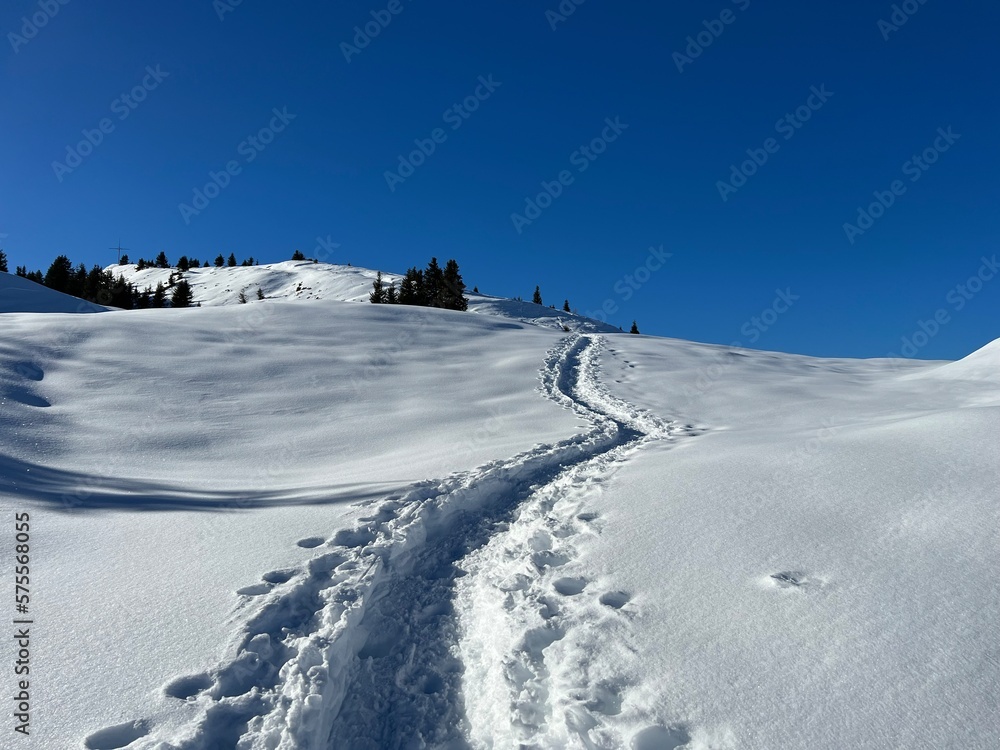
x=982, y=365
x=19, y=295
x=537, y=315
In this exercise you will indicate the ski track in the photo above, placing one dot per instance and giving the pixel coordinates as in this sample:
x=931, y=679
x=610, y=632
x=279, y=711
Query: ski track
x=463, y=581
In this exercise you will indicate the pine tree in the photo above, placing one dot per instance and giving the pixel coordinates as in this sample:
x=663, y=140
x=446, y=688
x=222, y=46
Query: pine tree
x=475, y=290
x=537, y=298
x=3, y=262
x=141, y=265
x=219, y=261
x=297, y=255
x=183, y=264
x=377, y=295
x=195, y=263
x=159, y=296
x=260, y=293
x=391, y=296
x=59, y=274
x=433, y=284
x=452, y=294
x=411, y=289
x=124, y=260
x=161, y=260
x=121, y=293
x=243, y=297
x=232, y=260
x=634, y=329
x=182, y=296
x=566, y=306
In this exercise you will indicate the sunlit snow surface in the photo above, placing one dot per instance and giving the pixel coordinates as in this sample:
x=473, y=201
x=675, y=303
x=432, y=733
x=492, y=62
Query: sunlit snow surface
x=334, y=525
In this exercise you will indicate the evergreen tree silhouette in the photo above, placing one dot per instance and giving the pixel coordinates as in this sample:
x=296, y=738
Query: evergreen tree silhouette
x=182, y=296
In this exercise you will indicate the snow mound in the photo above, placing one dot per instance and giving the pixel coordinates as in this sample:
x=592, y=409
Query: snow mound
x=982, y=364
x=18, y=295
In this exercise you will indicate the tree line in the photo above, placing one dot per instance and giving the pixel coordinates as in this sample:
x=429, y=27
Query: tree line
x=104, y=288
x=432, y=286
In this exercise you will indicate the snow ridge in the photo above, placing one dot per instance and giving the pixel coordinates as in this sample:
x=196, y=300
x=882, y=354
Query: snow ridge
x=361, y=648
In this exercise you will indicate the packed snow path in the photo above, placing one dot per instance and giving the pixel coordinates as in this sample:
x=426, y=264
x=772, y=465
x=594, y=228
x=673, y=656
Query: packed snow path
x=428, y=624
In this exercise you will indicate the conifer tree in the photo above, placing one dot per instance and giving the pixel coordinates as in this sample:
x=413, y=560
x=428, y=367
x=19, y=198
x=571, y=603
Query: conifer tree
x=377, y=295
x=219, y=261
x=260, y=293
x=297, y=255
x=537, y=298
x=634, y=329
x=232, y=260
x=3, y=262
x=243, y=297
x=141, y=265
x=159, y=296
x=182, y=296
x=452, y=294
x=195, y=263
x=183, y=264
x=411, y=289
x=566, y=306
x=124, y=260
x=59, y=273
x=433, y=284
x=391, y=297
x=161, y=260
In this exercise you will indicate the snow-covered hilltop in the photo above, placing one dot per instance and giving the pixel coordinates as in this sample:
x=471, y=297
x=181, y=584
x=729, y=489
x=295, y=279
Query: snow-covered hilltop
x=307, y=523
x=292, y=281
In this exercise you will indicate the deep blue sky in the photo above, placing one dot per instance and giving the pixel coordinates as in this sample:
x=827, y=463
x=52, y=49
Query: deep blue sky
x=324, y=175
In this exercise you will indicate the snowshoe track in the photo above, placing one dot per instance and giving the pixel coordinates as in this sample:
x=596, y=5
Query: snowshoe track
x=364, y=646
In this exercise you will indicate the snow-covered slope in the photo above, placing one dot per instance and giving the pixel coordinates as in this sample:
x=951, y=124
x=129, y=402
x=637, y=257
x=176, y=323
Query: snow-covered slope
x=18, y=295
x=327, y=525
x=305, y=280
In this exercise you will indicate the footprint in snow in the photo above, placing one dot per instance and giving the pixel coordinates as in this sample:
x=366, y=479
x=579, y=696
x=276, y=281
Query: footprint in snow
x=570, y=586
x=310, y=542
x=278, y=576
x=185, y=688
x=661, y=738
x=614, y=599
x=257, y=589
x=549, y=559
x=118, y=736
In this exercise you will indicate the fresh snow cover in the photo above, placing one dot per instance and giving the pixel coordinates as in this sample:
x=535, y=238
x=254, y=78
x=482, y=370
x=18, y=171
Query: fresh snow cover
x=19, y=295
x=341, y=525
x=306, y=280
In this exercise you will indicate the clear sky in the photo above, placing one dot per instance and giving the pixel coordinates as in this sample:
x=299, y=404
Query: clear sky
x=185, y=89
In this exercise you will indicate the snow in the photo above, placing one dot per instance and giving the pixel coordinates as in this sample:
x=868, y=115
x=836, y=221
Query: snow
x=311, y=523
x=293, y=281
x=18, y=295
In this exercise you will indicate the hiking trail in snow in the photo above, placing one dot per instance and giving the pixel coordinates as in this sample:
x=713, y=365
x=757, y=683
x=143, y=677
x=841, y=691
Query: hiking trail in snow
x=452, y=616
